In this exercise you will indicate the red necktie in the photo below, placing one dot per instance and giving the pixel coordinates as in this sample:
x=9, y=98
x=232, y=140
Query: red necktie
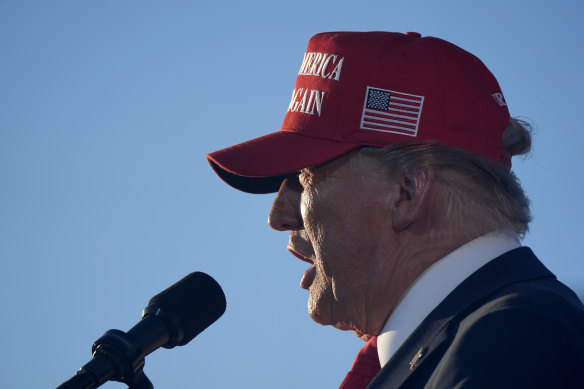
x=365, y=367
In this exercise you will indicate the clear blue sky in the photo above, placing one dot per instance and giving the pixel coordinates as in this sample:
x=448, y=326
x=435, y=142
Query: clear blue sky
x=107, y=109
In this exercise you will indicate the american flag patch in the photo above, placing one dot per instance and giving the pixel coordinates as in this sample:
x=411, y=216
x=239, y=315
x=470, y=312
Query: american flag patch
x=391, y=111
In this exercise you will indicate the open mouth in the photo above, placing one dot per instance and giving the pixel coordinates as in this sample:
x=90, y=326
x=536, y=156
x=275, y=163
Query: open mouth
x=310, y=274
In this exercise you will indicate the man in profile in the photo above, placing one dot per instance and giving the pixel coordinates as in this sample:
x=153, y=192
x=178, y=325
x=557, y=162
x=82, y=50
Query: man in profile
x=393, y=173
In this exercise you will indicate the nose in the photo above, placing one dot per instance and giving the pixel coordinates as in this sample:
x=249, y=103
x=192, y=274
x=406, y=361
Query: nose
x=285, y=213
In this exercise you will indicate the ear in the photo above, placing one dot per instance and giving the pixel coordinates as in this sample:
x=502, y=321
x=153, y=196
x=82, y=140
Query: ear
x=414, y=198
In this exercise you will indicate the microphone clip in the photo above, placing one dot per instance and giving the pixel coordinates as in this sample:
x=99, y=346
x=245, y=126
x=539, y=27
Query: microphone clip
x=115, y=358
x=116, y=348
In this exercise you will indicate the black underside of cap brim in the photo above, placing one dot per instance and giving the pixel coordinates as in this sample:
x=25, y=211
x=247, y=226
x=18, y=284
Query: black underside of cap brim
x=255, y=185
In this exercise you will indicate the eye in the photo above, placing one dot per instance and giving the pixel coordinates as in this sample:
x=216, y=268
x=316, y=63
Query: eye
x=294, y=183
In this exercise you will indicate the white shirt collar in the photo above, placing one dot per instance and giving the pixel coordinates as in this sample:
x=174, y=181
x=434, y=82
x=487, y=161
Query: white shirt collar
x=435, y=284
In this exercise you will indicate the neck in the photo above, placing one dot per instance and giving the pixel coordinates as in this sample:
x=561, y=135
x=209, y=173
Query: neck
x=403, y=261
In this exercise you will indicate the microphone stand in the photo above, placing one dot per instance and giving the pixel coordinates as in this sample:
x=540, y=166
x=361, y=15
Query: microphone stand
x=141, y=382
x=115, y=358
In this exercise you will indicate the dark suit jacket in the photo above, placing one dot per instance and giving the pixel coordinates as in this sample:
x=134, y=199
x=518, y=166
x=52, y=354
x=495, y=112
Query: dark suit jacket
x=511, y=324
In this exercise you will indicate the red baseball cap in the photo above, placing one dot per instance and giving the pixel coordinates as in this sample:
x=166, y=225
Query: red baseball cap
x=374, y=89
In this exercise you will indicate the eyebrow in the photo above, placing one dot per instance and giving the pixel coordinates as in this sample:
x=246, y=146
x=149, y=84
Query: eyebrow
x=311, y=171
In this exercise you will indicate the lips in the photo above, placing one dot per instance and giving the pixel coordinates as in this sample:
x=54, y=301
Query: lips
x=309, y=274
x=300, y=256
x=308, y=277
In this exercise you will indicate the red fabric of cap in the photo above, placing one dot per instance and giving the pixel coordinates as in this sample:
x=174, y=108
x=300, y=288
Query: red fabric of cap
x=274, y=155
x=375, y=89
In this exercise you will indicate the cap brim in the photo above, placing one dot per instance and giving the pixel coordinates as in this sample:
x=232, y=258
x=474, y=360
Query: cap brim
x=260, y=165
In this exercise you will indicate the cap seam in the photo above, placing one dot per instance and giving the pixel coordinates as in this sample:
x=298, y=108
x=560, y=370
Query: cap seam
x=294, y=131
x=442, y=85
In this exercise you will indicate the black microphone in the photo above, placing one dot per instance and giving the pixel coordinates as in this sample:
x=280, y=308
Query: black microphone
x=172, y=318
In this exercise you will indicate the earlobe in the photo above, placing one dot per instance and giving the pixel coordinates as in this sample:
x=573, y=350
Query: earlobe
x=414, y=198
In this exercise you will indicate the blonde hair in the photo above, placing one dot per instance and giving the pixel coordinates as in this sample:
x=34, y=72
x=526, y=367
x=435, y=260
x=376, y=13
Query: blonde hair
x=479, y=194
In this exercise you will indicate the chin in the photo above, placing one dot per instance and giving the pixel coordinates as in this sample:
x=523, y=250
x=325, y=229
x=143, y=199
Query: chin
x=322, y=314
x=319, y=318
x=327, y=321
x=344, y=326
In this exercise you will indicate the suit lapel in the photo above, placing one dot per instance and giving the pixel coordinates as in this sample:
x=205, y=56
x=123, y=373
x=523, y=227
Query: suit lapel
x=514, y=266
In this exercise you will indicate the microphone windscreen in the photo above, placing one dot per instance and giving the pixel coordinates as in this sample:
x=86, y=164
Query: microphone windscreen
x=197, y=301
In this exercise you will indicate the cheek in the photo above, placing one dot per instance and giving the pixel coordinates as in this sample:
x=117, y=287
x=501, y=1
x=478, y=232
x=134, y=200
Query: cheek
x=312, y=216
x=311, y=204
